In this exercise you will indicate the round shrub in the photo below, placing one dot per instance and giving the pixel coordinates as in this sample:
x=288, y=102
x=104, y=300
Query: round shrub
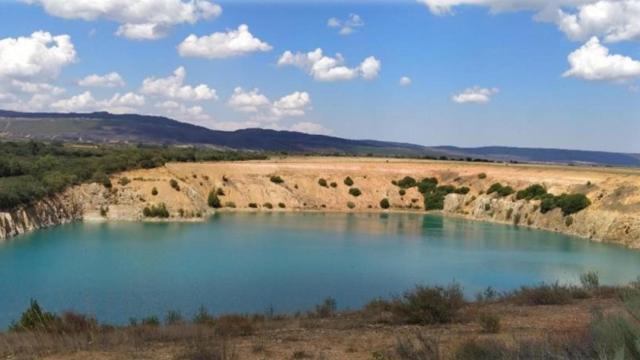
x=174, y=184
x=322, y=182
x=351, y=205
x=355, y=192
x=154, y=191
x=402, y=192
x=334, y=184
x=277, y=179
x=348, y=181
x=384, y=203
x=213, y=200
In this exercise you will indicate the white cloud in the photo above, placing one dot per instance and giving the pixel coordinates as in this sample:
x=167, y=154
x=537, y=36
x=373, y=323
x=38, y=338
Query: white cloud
x=294, y=104
x=86, y=102
x=476, y=95
x=39, y=56
x=325, y=68
x=593, y=61
x=612, y=20
x=172, y=87
x=248, y=101
x=405, y=81
x=310, y=128
x=222, y=44
x=347, y=26
x=141, y=19
x=36, y=88
x=110, y=80
x=190, y=114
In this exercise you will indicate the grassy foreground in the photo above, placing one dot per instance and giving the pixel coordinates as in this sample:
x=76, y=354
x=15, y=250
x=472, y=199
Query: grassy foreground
x=549, y=321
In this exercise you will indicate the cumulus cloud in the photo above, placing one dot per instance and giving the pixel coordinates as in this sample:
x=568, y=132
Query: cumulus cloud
x=39, y=56
x=405, y=81
x=346, y=26
x=593, y=61
x=190, y=114
x=110, y=80
x=475, y=95
x=119, y=103
x=294, y=104
x=326, y=68
x=36, y=87
x=222, y=44
x=248, y=101
x=140, y=20
x=172, y=87
x=310, y=128
x=612, y=20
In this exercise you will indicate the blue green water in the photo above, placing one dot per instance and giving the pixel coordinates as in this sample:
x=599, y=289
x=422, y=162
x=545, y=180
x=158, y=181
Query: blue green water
x=249, y=262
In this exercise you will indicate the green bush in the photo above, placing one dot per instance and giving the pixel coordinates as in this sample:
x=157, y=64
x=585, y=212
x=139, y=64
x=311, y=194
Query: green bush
x=462, y=190
x=427, y=185
x=35, y=319
x=253, y=205
x=590, y=280
x=506, y=191
x=407, y=182
x=384, y=203
x=174, y=184
x=351, y=205
x=482, y=176
x=268, y=205
x=334, y=184
x=277, y=179
x=355, y=192
x=154, y=191
x=434, y=201
x=124, y=181
x=402, y=192
x=282, y=205
x=533, y=192
x=429, y=305
x=323, y=183
x=348, y=181
x=489, y=322
x=544, y=294
x=156, y=211
x=568, y=203
x=213, y=200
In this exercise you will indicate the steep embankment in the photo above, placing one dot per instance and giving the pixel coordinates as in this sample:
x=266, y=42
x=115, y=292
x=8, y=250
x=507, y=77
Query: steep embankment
x=614, y=215
x=54, y=211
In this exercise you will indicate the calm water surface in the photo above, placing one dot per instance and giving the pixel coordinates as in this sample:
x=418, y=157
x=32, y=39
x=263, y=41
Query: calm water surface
x=249, y=262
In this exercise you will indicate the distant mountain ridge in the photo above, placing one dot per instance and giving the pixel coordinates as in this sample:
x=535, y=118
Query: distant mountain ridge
x=105, y=127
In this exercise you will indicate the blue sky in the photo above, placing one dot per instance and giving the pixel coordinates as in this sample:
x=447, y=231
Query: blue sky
x=504, y=68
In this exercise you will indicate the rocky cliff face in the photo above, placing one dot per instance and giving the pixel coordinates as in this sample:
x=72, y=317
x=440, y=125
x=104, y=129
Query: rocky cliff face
x=594, y=223
x=53, y=211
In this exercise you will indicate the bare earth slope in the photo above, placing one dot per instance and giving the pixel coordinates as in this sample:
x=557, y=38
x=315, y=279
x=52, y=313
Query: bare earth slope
x=614, y=215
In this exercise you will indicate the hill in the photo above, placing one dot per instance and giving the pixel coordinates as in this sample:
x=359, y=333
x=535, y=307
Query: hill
x=132, y=128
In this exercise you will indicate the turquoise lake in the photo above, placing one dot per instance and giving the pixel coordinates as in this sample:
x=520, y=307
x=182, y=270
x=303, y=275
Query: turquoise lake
x=251, y=262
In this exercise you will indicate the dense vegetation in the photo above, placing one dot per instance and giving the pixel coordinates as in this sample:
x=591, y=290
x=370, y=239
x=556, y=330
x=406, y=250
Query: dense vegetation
x=500, y=190
x=568, y=203
x=156, y=211
x=30, y=171
x=433, y=194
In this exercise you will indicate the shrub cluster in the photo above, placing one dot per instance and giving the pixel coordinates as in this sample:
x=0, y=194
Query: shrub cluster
x=568, y=203
x=533, y=192
x=500, y=190
x=156, y=211
x=429, y=305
